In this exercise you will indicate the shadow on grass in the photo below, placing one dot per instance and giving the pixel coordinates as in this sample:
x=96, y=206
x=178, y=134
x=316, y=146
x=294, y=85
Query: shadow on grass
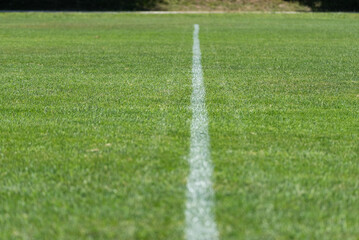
x=79, y=5
x=330, y=5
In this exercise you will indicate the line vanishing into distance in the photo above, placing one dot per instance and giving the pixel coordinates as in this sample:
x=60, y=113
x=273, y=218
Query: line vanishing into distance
x=200, y=223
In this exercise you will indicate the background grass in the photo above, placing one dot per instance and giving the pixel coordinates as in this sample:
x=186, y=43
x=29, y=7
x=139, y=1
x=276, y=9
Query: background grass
x=94, y=112
x=231, y=5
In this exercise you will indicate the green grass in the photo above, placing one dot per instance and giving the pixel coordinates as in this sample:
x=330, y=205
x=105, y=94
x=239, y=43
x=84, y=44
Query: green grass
x=95, y=120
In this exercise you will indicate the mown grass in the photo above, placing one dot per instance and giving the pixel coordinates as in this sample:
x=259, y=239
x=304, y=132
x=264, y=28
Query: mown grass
x=95, y=120
x=94, y=126
x=284, y=107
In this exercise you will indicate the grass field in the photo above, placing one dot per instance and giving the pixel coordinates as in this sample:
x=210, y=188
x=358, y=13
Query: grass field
x=95, y=124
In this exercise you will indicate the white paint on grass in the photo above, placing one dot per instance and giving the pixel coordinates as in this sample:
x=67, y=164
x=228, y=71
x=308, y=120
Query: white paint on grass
x=200, y=223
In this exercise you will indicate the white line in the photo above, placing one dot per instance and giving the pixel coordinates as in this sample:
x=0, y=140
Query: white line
x=200, y=223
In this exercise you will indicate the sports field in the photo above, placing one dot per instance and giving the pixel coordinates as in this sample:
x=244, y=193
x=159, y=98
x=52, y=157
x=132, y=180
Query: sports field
x=96, y=124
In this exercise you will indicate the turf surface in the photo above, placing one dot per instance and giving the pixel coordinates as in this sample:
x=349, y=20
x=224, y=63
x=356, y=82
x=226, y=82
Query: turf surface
x=95, y=120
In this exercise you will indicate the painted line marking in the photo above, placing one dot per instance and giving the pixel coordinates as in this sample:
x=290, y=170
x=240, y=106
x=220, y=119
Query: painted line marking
x=200, y=223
